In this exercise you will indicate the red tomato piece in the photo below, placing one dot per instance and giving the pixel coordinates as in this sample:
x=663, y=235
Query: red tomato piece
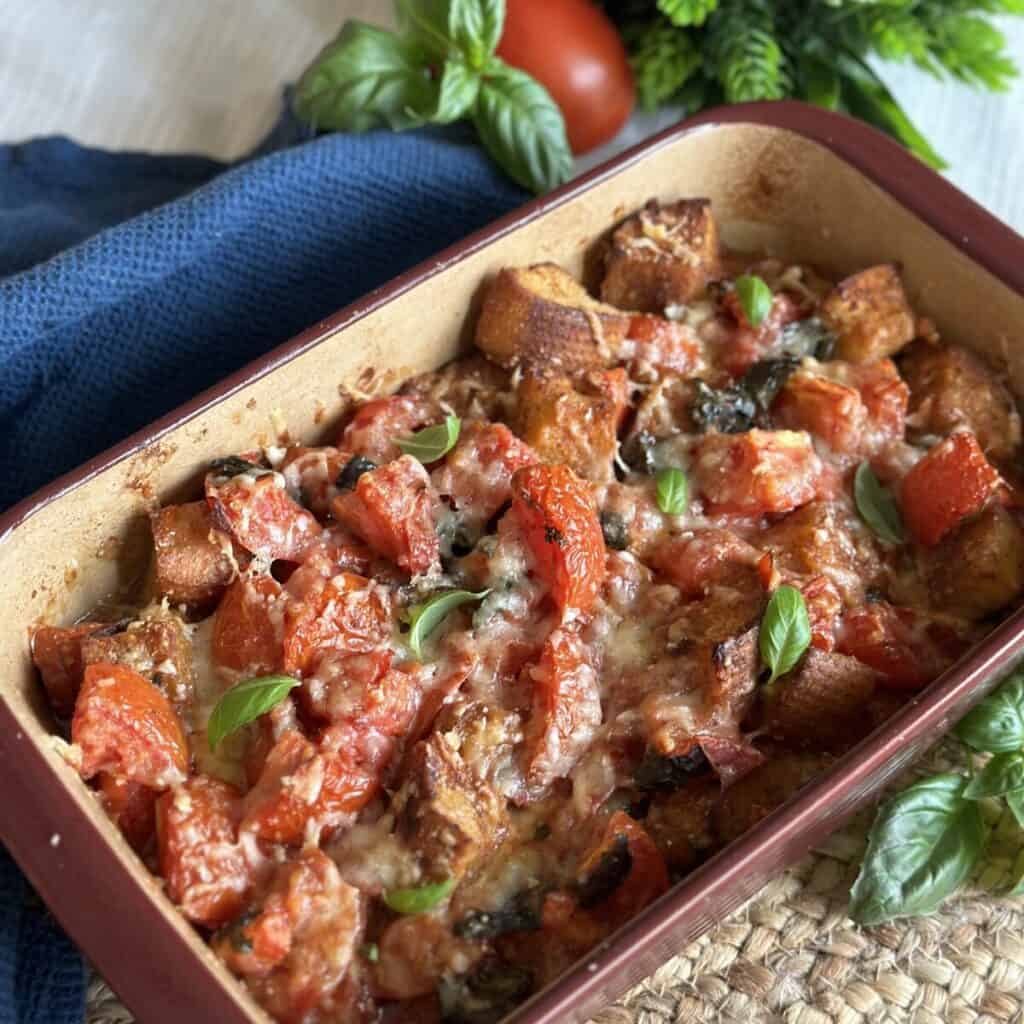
x=124, y=725
x=131, y=807
x=313, y=473
x=391, y=509
x=761, y=472
x=248, y=626
x=953, y=480
x=477, y=474
x=905, y=648
x=347, y=613
x=824, y=606
x=377, y=425
x=746, y=345
x=566, y=709
x=885, y=396
x=572, y=48
x=205, y=869
x=647, y=878
x=305, y=785
x=260, y=515
x=822, y=407
x=295, y=945
x=664, y=344
x=696, y=561
x=555, y=510
x=57, y=653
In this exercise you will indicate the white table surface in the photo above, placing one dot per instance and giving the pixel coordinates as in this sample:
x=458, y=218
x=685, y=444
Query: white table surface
x=205, y=76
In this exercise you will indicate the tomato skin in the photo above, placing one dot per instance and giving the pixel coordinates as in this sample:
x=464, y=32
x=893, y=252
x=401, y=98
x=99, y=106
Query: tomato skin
x=57, y=654
x=375, y=428
x=131, y=807
x=391, y=509
x=665, y=344
x=823, y=408
x=824, y=606
x=953, y=480
x=247, y=626
x=556, y=512
x=574, y=51
x=126, y=726
x=205, y=869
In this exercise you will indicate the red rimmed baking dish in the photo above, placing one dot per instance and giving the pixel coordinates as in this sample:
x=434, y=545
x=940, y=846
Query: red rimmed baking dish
x=801, y=182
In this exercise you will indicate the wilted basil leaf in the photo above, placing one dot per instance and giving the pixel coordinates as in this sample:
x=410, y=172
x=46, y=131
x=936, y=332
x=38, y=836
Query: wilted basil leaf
x=924, y=843
x=672, y=491
x=353, y=470
x=877, y=506
x=1003, y=774
x=755, y=298
x=611, y=870
x=996, y=725
x=418, y=899
x=426, y=617
x=657, y=773
x=520, y=914
x=808, y=337
x=765, y=379
x=615, y=531
x=785, y=631
x=729, y=410
x=244, y=703
x=432, y=443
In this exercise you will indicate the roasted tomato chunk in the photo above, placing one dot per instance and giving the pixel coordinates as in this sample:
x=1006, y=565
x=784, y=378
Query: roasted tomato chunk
x=906, y=648
x=953, y=481
x=391, y=508
x=664, y=345
x=556, y=512
x=375, y=428
x=700, y=559
x=248, y=626
x=124, y=725
x=758, y=473
x=827, y=410
x=205, y=869
x=347, y=613
x=57, y=653
x=131, y=807
x=295, y=945
x=314, y=474
x=255, y=508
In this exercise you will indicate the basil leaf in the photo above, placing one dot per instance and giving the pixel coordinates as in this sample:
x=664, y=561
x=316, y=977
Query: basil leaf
x=244, y=703
x=807, y=337
x=1003, y=774
x=729, y=410
x=785, y=631
x=672, y=491
x=522, y=128
x=475, y=28
x=370, y=951
x=877, y=506
x=1015, y=801
x=426, y=617
x=432, y=443
x=996, y=725
x=766, y=378
x=425, y=24
x=755, y=298
x=419, y=899
x=1017, y=887
x=367, y=78
x=924, y=842
x=459, y=87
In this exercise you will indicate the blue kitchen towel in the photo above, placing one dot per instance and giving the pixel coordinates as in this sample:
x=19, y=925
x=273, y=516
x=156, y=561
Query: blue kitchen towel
x=130, y=282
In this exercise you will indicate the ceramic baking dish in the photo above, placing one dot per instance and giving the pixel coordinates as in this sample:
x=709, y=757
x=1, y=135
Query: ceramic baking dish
x=796, y=180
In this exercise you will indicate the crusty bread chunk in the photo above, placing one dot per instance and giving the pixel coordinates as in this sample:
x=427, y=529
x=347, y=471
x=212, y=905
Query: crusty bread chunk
x=542, y=317
x=869, y=314
x=661, y=256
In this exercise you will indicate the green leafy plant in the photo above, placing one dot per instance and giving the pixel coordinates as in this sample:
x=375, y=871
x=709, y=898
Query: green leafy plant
x=424, y=618
x=419, y=899
x=672, y=491
x=755, y=298
x=785, y=631
x=439, y=67
x=244, y=703
x=700, y=52
x=877, y=506
x=928, y=839
x=432, y=443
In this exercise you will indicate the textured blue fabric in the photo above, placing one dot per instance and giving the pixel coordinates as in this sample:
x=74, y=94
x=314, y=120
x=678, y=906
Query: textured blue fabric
x=106, y=322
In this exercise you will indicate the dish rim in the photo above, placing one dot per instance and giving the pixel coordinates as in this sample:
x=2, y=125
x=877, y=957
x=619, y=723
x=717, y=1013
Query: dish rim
x=940, y=206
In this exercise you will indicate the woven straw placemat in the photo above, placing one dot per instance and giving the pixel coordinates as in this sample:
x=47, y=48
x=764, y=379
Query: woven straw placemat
x=792, y=956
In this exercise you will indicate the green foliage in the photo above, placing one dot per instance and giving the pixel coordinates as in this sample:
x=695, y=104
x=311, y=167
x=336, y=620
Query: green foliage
x=698, y=52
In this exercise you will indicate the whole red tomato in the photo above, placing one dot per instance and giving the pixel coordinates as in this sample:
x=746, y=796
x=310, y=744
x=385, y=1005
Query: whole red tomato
x=573, y=50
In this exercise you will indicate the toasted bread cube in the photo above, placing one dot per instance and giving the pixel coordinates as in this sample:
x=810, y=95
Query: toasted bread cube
x=661, y=256
x=951, y=387
x=870, y=315
x=194, y=563
x=157, y=649
x=541, y=316
x=978, y=569
x=574, y=420
x=829, y=411
x=57, y=654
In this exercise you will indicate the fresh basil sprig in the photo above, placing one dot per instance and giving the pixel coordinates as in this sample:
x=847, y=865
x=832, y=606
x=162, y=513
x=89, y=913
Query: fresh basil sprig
x=877, y=506
x=996, y=725
x=785, y=631
x=1003, y=774
x=432, y=443
x=672, y=490
x=426, y=617
x=244, y=703
x=924, y=843
x=755, y=298
x=438, y=68
x=418, y=899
